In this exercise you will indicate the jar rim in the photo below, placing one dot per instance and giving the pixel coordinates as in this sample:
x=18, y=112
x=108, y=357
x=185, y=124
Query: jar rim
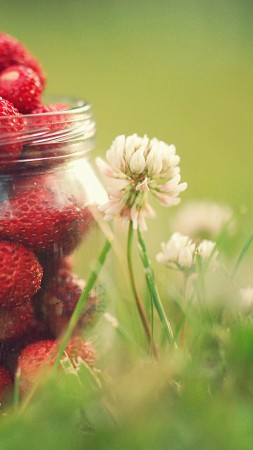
x=73, y=127
x=77, y=105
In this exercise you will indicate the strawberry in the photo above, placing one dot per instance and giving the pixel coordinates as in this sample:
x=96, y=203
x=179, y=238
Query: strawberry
x=51, y=147
x=16, y=321
x=20, y=274
x=42, y=354
x=52, y=117
x=78, y=348
x=11, y=126
x=66, y=263
x=51, y=264
x=50, y=107
x=44, y=218
x=5, y=383
x=60, y=299
x=22, y=87
x=10, y=349
x=12, y=52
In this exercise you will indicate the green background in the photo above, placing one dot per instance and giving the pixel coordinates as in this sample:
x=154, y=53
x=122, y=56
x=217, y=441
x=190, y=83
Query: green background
x=178, y=70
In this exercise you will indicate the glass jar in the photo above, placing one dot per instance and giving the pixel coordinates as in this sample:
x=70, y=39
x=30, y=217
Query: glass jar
x=47, y=187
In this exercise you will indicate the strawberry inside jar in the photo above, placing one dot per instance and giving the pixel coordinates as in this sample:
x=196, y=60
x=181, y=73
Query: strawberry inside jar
x=47, y=188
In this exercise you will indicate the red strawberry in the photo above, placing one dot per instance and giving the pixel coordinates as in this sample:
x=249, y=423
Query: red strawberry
x=20, y=274
x=44, y=218
x=66, y=263
x=12, y=125
x=51, y=263
x=54, y=123
x=78, y=348
x=10, y=349
x=51, y=107
x=42, y=354
x=12, y=52
x=51, y=116
x=22, y=87
x=5, y=383
x=60, y=299
x=16, y=321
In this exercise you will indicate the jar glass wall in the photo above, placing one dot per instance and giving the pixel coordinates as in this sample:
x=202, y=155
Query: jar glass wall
x=47, y=187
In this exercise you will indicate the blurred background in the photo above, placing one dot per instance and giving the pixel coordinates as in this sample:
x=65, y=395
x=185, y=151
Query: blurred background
x=178, y=70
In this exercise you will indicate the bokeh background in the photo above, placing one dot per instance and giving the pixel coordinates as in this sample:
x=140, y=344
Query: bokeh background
x=178, y=70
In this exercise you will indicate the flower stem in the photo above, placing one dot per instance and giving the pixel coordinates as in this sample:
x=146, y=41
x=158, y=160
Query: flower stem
x=135, y=292
x=201, y=290
x=82, y=301
x=184, y=310
x=150, y=279
x=242, y=255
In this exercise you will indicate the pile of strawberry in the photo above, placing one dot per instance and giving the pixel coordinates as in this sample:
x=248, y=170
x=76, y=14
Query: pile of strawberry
x=41, y=224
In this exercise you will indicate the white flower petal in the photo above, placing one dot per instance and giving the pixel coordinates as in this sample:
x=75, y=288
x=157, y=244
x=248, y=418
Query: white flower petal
x=206, y=250
x=142, y=223
x=185, y=257
x=154, y=159
x=143, y=186
x=131, y=144
x=137, y=162
x=115, y=155
x=134, y=216
x=144, y=145
x=148, y=211
x=177, y=252
x=166, y=199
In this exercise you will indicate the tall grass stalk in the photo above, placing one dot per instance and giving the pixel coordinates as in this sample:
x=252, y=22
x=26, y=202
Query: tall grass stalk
x=150, y=280
x=138, y=301
x=82, y=301
x=242, y=255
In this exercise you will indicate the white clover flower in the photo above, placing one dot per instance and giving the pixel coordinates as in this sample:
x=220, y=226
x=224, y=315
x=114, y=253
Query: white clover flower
x=206, y=250
x=204, y=219
x=181, y=252
x=178, y=252
x=139, y=165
